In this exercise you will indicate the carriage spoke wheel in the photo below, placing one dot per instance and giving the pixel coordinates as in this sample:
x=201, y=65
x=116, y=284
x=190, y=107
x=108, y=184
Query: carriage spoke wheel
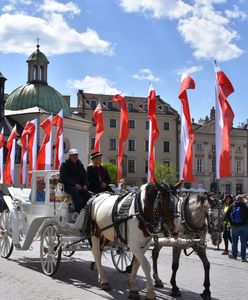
x=121, y=258
x=50, y=250
x=6, y=244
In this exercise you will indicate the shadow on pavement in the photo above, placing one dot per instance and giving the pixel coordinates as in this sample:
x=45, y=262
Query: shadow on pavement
x=77, y=272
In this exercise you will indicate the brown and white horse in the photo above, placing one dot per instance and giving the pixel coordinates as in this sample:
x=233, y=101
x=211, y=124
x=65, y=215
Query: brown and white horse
x=150, y=210
x=198, y=214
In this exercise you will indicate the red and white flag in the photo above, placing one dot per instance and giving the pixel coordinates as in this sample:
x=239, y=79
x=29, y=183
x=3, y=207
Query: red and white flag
x=153, y=132
x=29, y=148
x=44, y=160
x=59, y=142
x=97, y=117
x=124, y=131
x=223, y=123
x=187, y=134
x=1, y=155
x=9, y=175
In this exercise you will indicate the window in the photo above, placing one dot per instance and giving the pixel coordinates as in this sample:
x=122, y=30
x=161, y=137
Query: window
x=145, y=107
x=112, y=123
x=130, y=106
x=41, y=73
x=112, y=161
x=198, y=146
x=131, y=145
x=228, y=188
x=110, y=105
x=238, y=149
x=166, y=163
x=146, y=166
x=35, y=70
x=166, y=126
x=166, y=146
x=213, y=147
x=239, y=188
x=238, y=167
x=131, y=123
x=92, y=143
x=199, y=165
x=166, y=109
x=147, y=124
x=131, y=166
x=112, y=144
x=213, y=166
x=93, y=104
x=146, y=146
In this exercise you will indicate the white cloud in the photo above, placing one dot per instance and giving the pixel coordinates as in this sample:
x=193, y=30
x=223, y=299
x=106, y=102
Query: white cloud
x=189, y=70
x=17, y=34
x=158, y=8
x=145, y=74
x=8, y=8
x=91, y=84
x=236, y=13
x=55, y=6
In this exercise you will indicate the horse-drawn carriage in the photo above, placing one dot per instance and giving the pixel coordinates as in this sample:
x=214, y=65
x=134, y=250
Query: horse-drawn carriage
x=25, y=218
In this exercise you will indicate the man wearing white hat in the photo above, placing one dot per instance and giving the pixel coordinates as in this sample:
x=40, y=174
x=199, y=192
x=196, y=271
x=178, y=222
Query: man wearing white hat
x=74, y=178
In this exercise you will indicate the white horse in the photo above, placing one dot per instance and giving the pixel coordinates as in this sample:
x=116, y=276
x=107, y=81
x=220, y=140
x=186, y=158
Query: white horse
x=199, y=214
x=149, y=210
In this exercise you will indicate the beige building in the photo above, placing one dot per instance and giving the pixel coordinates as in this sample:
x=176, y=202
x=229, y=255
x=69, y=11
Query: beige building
x=136, y=147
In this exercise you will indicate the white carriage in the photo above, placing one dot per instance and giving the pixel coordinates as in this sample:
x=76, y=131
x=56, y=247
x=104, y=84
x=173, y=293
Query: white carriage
x=52, y=221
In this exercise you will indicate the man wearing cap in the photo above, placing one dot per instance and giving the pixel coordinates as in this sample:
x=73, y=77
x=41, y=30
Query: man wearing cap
x=74, y=178
x=98, y=176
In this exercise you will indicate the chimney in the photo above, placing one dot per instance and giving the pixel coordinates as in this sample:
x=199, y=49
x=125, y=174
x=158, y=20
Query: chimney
x=2, y=101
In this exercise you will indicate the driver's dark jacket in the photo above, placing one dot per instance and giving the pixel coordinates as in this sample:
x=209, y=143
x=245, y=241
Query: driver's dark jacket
x=73, y=173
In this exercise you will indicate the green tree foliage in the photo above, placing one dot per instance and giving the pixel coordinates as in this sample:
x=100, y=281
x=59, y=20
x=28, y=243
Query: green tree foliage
x=165, y=173
x=112, y=170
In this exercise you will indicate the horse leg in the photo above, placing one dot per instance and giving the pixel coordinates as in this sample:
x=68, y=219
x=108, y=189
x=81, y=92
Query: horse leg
x=133, y=291
x=155, y=253
x=175, y=292
x=146, y=267
x=201, y=252
x=96, y=250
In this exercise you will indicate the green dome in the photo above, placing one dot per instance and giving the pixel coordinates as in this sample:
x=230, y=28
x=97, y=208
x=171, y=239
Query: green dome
x=38, y=56
x=37, y=94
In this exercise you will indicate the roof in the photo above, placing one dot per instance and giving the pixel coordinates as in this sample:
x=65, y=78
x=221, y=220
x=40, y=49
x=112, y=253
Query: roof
x=38, y=56
x=37, y=94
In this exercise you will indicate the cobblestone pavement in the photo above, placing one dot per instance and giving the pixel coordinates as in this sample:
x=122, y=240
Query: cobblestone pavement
x=21, y=277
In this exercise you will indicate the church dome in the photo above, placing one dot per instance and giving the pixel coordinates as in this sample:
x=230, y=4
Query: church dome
x=37, y=94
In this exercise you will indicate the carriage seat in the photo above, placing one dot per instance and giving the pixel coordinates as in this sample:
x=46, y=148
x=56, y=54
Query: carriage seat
x=19, y=194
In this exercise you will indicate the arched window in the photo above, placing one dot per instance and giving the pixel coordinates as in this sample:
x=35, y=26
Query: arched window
x=42, y=73
x=145, y=107
x=130, y=106
x=93, y=104
x=35, y=73
x=110, y=105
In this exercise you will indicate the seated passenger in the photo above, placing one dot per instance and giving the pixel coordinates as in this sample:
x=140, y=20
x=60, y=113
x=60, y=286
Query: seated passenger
x=40, y=190
x=98, y=176
x=74, y=178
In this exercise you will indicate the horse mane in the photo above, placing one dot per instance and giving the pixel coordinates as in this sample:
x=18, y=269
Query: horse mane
x=151, y=192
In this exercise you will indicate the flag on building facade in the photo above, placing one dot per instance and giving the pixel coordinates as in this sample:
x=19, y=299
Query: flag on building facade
x=153, y=132
x=59, y=142
x=9, y=175
x=44, y=160
x=29, y=149
x=1, y=155
x=97, y=117
x=186, y=134
x=223, y=123
x=124, y=131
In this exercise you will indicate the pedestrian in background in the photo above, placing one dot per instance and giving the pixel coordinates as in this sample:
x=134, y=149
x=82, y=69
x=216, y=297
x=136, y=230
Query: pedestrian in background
x=226, y=202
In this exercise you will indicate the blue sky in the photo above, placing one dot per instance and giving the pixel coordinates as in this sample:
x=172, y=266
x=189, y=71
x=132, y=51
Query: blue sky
x=110, y=46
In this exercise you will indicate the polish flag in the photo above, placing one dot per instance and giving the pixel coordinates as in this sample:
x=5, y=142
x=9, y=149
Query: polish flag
x=223, y=123
x=29, y=148
x=124, y=131
x=1, y=155
x=153, y=132
x=59, y=143
x=186, y=135
x=44, y=159
x=9, y=170
x=97, y=117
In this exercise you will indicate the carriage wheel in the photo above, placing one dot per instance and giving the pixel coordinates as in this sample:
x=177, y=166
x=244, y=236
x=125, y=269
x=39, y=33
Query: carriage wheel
x=121, y=258
x=50, y=250
x=6, y=244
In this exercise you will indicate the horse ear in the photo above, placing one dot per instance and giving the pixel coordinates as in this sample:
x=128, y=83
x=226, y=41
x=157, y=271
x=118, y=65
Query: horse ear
x=159, y=187
x=178, y=185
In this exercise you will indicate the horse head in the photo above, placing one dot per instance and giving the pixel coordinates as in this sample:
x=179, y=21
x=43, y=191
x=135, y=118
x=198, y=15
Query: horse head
x=215, y=220
x=168, y=207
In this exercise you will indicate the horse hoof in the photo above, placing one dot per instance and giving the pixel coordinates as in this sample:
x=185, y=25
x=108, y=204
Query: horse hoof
x=159, y=284
x=175, y=293
x=206, y=295
x=105, y=286
x=134, y=295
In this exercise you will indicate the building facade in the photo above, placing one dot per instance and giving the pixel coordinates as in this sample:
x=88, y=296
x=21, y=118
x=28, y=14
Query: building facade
x=135, y=164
